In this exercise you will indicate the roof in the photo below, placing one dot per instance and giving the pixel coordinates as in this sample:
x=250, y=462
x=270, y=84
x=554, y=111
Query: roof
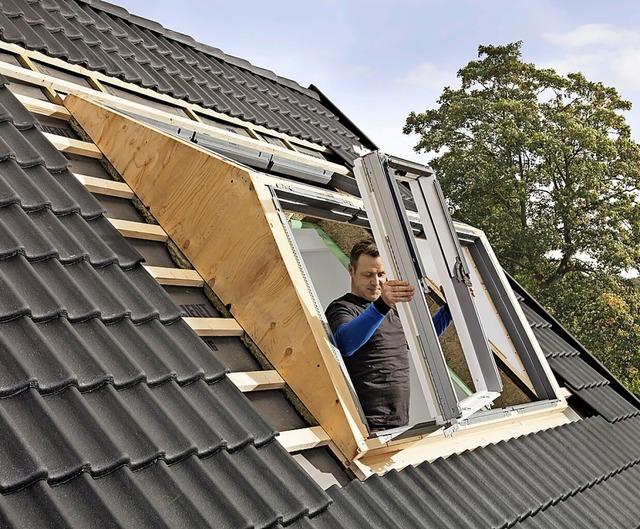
x=581, y=475
x=114, y=413
x=107, y=38
x=112, y=410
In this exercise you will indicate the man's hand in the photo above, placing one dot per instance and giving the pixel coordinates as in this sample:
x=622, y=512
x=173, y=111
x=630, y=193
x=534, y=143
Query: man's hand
x=395, y=291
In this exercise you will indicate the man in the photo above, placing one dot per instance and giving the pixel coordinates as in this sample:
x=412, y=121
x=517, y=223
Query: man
x=369, y=335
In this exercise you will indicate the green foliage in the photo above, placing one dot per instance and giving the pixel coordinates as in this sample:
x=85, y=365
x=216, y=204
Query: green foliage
x=602, y=311
x=546, y=166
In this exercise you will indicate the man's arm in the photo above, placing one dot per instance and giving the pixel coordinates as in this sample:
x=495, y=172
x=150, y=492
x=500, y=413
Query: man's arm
x=353, y=334
x=442, y=319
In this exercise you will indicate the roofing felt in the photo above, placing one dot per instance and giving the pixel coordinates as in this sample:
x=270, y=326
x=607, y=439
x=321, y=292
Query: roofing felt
x=113, y=412
x=108, y=39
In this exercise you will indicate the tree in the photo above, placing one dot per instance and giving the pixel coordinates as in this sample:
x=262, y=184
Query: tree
x=546, y=166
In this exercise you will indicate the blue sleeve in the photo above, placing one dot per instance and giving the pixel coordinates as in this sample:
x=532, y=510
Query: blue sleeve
x=442, y=319
x=352, y=335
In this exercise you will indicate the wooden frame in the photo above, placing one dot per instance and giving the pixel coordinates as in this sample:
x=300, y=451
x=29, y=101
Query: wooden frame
x=225, y=222
x=175, y=276
x=303, y=439
x=71, y=146
x=140, y=230
x=102, y=186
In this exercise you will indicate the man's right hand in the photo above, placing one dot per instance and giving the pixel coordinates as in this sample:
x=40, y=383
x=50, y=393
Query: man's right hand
x=395, y=291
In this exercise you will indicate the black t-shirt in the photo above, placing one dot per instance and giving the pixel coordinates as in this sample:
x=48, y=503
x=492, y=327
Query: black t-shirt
x=379, y=370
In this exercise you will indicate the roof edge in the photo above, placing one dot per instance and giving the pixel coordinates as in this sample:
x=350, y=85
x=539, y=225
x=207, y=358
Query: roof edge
x=343, y=118
x=187, y=40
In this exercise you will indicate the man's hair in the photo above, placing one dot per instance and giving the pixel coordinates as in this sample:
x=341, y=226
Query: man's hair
x=366, y=247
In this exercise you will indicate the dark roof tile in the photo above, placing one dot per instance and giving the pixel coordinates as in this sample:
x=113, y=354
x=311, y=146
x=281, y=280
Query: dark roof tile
x=14, y=178
x=166, y=497
x=23, y=229
x=129, y=294
x=220, y=405
x=26, y=289
x=21, y=465
x=8, y=30
x=99, y=342
x=157, y=420
x=155, y=368
x=79, y=290
x=35, y=422
x=30, y=360
x=159, y=339
x=66, y=346
x=576, y=372
x=202, y=356
x=608, y=403
x=114, y=42
x=73, y=416
x=157, y=297
x=136, y=421
x=127, y=256
x=67, y=246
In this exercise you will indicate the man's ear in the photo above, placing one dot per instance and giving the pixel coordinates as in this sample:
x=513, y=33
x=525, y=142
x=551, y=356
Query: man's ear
x=351, y=270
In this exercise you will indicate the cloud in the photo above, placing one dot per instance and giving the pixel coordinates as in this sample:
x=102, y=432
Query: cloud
x=427, y=75
x=602, y=52
x=594, y=35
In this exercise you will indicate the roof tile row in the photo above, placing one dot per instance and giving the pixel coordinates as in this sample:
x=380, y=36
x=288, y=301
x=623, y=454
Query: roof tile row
x=108, y=39
x=495, y=486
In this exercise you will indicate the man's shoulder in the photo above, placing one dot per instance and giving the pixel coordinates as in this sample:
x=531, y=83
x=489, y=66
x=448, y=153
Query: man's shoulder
x=348, y=299
x=348, y=304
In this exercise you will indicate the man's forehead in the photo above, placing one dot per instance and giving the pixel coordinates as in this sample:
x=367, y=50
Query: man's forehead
x=369, y=263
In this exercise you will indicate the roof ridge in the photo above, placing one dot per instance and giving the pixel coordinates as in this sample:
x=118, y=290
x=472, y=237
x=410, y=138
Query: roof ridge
x=187, y=40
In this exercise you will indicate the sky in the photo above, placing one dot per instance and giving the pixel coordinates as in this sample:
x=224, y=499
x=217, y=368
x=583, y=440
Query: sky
x=378, y=60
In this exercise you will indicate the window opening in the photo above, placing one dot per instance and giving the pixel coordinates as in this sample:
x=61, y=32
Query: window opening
x=376, y=176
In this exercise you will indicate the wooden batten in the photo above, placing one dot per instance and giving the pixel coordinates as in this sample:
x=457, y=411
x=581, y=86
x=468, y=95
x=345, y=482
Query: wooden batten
x=139, y=230
x=215, y=326
x=256, y=380
x=71, y=146
x=101, y=186
x=224, y=221
x=177, y=277
x=43, y=108
x=303, y=439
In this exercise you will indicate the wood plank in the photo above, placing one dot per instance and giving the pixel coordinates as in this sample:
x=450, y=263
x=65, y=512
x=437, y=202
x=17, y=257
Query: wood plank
x=44, y=108
x=140, y=230
x=71, y=146
x=215, y=326
x=303, y=438
x=175, y=276
x=257, y=380
x=102, y=186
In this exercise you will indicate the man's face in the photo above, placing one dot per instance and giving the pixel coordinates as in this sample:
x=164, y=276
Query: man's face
x=367, y=277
